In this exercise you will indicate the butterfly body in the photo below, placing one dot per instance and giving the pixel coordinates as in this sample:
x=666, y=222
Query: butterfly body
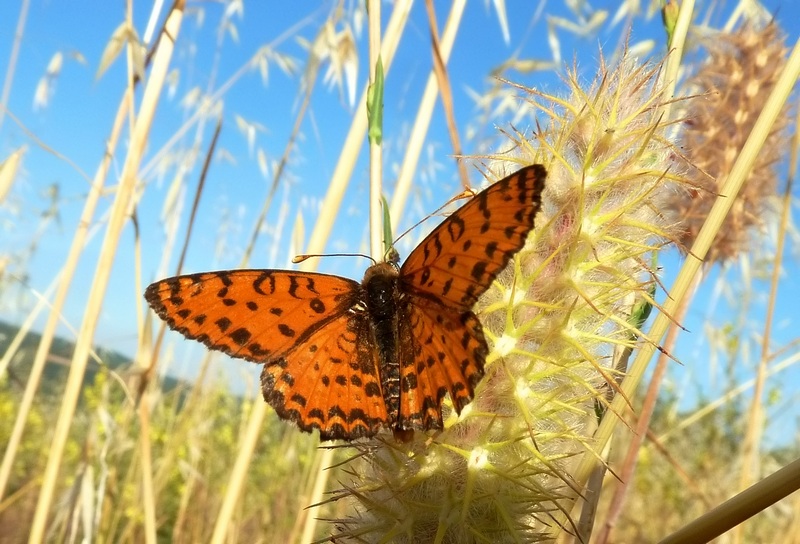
x=351, y=358
x=385, y=307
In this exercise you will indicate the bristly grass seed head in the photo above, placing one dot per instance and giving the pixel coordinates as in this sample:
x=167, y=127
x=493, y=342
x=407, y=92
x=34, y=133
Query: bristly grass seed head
x=731, y=86
x=553, y=319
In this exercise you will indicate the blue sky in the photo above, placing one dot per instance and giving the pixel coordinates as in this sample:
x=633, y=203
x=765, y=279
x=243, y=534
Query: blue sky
x=78, y=118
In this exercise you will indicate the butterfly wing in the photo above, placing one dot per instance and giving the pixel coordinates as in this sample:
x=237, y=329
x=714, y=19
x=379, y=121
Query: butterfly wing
x=330, y=382
x=442, y=280
x=310, y=330
x=442, y=352
x=457, y=262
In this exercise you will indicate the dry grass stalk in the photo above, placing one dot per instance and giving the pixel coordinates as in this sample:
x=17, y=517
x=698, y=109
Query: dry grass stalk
x=105, y=262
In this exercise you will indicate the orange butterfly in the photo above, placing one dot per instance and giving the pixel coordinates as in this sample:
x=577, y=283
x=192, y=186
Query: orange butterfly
x=350, y=358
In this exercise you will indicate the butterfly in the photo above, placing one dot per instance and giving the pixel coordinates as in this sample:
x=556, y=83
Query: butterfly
x=349, y=358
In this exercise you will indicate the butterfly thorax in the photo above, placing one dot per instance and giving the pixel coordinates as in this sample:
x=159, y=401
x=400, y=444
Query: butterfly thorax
x=384, y=304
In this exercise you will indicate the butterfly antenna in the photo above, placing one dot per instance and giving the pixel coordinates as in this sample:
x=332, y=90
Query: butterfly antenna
x=466, y=193
x=300, y=258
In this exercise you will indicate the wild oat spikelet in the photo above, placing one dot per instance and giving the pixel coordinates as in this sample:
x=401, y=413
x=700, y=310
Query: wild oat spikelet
x=553, y=319
x=733, y=84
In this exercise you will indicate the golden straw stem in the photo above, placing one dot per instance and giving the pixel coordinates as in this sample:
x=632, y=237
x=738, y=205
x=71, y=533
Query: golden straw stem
x=116, y=222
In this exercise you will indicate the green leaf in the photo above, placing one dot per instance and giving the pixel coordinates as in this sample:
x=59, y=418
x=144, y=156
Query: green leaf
x=669, y=14
x=388, y=239
x=375, y=106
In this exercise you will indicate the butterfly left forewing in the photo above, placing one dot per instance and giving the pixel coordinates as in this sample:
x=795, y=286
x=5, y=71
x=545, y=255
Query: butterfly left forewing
x=259, y=315
x=310, y=330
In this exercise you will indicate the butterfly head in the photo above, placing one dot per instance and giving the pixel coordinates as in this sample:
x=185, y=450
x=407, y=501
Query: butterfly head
x=392, y=257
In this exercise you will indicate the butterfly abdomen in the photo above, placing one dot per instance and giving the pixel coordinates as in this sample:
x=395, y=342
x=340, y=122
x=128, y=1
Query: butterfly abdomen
x=382, y=297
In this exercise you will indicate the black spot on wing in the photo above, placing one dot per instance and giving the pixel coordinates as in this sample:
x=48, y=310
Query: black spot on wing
x=240, y=336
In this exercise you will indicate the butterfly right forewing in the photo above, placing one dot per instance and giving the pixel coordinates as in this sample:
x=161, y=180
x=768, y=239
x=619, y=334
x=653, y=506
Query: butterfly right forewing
x=457, y=262
x=441, y=281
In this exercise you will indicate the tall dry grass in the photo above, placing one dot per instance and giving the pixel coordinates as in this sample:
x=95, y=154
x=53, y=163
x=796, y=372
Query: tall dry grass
x=123, y=459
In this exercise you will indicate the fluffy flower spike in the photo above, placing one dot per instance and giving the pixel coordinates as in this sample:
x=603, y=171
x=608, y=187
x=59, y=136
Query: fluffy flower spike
x=554, y=319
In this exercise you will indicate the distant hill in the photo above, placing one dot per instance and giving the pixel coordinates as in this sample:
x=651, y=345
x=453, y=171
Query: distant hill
x=57, y=367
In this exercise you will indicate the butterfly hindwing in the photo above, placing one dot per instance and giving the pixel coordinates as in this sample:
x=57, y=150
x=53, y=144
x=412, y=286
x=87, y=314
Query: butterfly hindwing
x=330, y=382
x=445, y=355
